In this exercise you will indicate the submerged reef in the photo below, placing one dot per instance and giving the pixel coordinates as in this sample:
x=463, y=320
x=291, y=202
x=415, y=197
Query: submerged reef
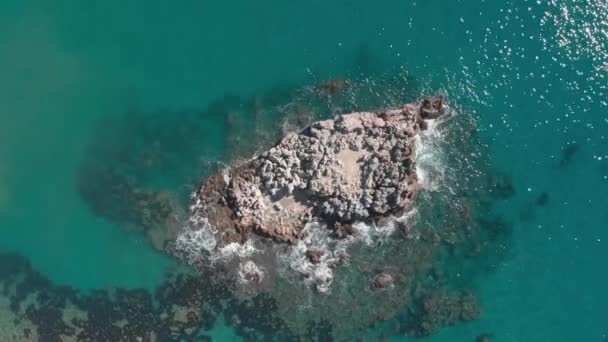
x=35, y=309
x=308, y=224
x=436, y=310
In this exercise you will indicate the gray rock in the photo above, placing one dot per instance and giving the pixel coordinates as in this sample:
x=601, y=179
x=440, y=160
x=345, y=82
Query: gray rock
x=359, y=167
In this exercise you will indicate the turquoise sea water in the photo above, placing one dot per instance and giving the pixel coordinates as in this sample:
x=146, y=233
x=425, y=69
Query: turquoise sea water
x=533, y=72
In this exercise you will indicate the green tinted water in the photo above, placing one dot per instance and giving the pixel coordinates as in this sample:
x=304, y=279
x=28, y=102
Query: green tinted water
x=535, y=74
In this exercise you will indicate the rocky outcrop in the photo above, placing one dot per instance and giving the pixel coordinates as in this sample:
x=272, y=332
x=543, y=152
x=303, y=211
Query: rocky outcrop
x=358, y=167
x=383, y=281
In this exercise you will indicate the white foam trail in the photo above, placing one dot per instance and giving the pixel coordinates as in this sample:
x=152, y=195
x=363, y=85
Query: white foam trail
x=199, y=239
x=235, y=249
x=430, y=167
x=371, y=234
x=202, y=241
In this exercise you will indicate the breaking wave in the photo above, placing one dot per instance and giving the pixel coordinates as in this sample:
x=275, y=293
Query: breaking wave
x=430, y=163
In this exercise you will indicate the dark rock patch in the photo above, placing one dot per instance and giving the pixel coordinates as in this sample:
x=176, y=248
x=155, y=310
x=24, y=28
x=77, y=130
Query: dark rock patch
x=568, y=153
x=441, y=309
x=543, y=199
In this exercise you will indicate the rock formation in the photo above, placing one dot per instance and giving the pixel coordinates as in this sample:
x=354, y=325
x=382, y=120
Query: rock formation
x=356, y=168
x=383, y=281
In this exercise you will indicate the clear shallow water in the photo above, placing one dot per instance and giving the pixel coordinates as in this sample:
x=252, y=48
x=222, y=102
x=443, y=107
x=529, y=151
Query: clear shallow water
x=533, y=72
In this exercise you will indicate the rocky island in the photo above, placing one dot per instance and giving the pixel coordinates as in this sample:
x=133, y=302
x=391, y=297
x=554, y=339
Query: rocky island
x=358, y=167
x=353, y=220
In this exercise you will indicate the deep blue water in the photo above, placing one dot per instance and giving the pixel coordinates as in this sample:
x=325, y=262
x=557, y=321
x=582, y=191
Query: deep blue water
x=532, y=72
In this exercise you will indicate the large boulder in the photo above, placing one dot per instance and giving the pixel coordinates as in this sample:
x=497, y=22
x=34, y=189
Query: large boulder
x=357, y=167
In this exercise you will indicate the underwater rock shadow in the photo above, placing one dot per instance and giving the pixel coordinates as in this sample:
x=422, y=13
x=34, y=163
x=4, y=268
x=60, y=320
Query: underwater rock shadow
x=180, y=308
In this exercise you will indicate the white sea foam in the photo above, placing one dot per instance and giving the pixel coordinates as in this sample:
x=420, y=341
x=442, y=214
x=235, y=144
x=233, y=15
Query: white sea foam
x=249, y=272
x=239, y=250
x=315, y=237
x=226, y=176
x=193, y=243
x=430, y=166
x=201, y=241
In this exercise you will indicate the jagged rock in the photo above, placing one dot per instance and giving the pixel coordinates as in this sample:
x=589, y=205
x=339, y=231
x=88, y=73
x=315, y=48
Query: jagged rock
x=359, y=167
x=407, y=230
x=431, y=107
x=314, y=255
x=343, y=230
x=383, y=281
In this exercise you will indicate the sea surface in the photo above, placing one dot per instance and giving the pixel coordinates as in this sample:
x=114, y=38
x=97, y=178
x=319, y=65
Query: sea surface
x=533, y=73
